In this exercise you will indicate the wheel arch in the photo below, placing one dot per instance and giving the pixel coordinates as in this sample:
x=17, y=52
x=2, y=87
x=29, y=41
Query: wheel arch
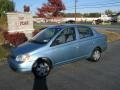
x=45, y=59
x=96, y=48
x=99, y=48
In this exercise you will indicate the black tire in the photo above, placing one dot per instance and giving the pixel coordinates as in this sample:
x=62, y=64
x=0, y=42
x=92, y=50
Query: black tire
x=96, y=55
x=41, y=68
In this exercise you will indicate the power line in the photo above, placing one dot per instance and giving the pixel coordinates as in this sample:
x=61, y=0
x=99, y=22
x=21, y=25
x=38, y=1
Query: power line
x=97, y=4
x=102, y=5
x=88, y=3
x=96, y=7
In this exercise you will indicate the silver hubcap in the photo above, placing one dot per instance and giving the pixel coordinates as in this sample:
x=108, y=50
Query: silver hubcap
x=42, y=69
x=96, y=55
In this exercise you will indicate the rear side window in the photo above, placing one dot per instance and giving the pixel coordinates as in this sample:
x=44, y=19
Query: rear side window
x=85, y=32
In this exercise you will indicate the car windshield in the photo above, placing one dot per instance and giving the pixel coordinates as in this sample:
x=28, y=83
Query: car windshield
x=46, y=35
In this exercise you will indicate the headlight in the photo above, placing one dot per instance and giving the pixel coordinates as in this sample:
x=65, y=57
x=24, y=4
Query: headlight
x=23, y=58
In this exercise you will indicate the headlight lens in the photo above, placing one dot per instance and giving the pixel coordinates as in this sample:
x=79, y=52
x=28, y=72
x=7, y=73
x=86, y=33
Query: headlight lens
x=23, y=58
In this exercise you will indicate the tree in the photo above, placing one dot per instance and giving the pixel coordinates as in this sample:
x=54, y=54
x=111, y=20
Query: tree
x=71, y=14
x=51, y=9
x=86, y=14
x=6, y=6
x=108, y=12
x=92, y=14
x=26, y=8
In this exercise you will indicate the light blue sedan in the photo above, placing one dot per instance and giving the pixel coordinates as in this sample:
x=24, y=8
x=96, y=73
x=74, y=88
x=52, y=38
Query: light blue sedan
x=57, y=45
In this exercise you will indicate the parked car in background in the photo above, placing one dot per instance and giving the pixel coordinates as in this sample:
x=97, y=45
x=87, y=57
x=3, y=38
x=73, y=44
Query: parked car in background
x=98, y=21
x=70, y=22
x=57, y=45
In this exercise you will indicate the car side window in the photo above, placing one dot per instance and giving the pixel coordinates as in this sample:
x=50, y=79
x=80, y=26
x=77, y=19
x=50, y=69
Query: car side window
x=85, y=32
x=67, y=35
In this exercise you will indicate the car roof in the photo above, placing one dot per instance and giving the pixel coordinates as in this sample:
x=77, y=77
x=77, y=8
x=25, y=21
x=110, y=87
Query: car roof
x=65, y=25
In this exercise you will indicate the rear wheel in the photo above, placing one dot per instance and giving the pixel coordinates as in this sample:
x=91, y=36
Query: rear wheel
x=95, y=55
x=41, y=68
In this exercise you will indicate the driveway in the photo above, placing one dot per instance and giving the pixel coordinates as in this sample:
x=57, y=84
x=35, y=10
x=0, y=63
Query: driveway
x=80, y=75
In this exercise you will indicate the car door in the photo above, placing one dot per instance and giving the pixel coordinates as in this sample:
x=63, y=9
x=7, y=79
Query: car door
x=85, y=41
x=63, y=47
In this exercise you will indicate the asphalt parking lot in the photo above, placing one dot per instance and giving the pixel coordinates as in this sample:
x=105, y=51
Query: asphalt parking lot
x=80, y=75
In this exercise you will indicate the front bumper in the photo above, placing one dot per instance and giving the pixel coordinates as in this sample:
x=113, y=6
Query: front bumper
x=20, y=67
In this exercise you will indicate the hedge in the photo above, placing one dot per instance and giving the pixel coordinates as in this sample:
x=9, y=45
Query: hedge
x=16, y=38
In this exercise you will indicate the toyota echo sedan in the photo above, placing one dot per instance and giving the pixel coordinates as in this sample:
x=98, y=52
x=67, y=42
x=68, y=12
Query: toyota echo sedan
x=57, y=45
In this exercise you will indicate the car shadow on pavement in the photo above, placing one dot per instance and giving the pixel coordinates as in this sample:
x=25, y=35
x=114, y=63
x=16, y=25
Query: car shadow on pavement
x=40, y=84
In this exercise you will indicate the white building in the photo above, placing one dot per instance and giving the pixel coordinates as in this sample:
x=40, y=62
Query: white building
x=105, y=17
x=64, y=19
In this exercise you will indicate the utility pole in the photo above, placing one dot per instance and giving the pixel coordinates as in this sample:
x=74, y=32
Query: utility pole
x=75, y=10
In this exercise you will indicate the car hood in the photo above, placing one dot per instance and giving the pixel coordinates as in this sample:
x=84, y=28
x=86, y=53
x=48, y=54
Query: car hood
x=26, y=48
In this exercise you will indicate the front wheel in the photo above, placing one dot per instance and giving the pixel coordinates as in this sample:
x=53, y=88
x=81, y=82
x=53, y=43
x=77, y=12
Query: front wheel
x=41, y=69
x=95, y=55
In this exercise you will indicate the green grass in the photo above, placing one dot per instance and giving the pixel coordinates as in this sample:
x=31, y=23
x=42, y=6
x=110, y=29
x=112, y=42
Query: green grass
x=1, y=38
x=3, y=53
x=38, y=26
x=111, y=36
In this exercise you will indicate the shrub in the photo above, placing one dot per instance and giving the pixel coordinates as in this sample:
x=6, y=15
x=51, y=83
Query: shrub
x=15, y=38
x=5, y=35
x=1, y=36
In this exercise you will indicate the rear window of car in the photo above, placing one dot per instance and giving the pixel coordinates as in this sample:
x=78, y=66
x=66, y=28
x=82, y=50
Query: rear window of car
x=85, y=32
